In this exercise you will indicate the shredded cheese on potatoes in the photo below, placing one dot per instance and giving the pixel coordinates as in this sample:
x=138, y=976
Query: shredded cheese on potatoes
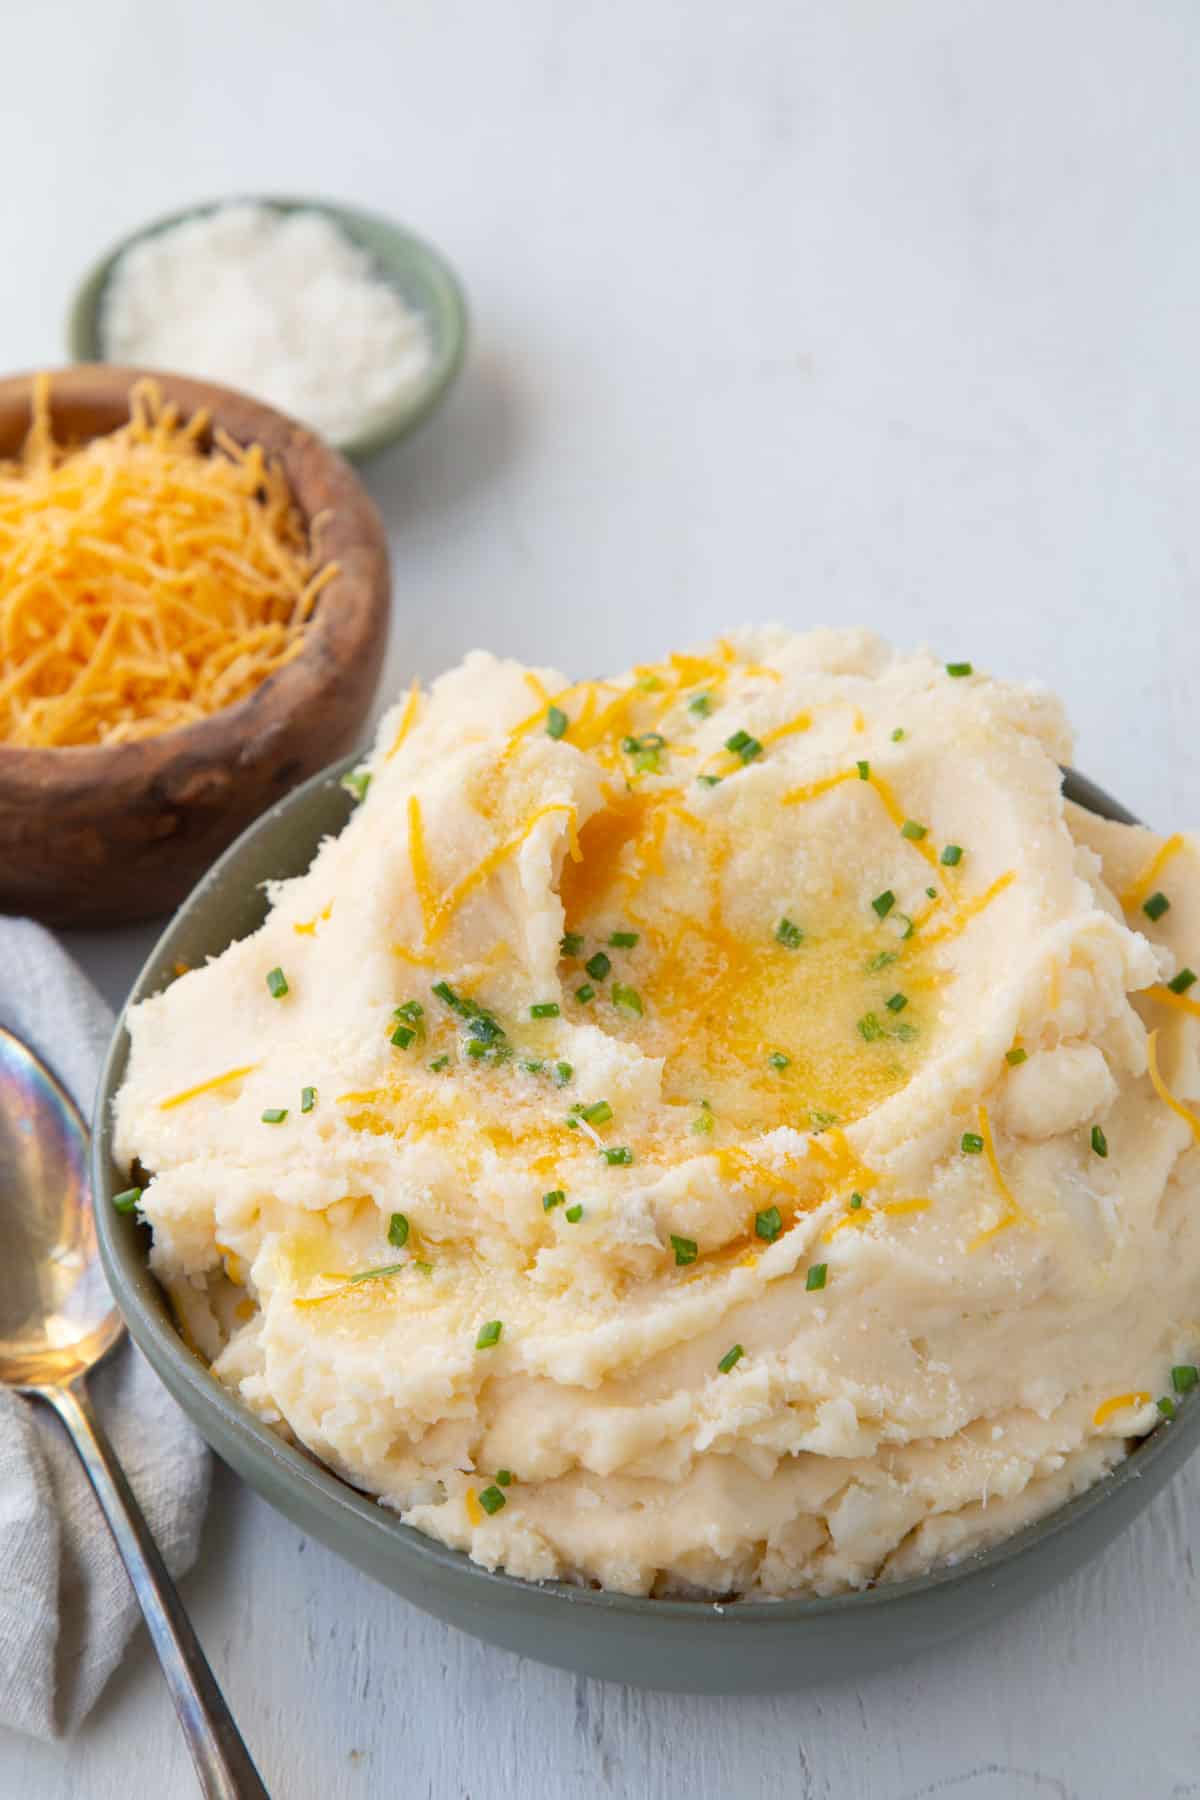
x=145, y=581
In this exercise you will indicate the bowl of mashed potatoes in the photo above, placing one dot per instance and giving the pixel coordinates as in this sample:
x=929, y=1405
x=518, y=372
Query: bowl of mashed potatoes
x=690, y=1176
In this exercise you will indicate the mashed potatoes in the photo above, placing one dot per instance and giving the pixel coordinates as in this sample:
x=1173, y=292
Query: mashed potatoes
x=724, y=1129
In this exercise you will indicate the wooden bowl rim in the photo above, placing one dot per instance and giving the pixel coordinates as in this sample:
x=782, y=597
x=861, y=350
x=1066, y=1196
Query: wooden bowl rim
x=350, y=529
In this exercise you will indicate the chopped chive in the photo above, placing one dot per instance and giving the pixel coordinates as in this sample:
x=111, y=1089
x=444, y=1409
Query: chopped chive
x=883, y=903
x=485, y=1029
x=904, y=1031
x=585, y=993
x=702, y=1125
x=769, y=1223
x=778, y=1060
x=709, y=780
x=489, y=1334
x=573, y=1215
x=911, y=829
x=598, y=966
x=870, y=1028
x=374, y=1274
x=1099, y=1141
x=731, y=1358
x=738, y=741
x=492, y=1499
x=908, y=926
x=627, y=998
x=128, y=1200
x=1156, y=906
x=356, y=782
x=898, y=735
x=564, y=1072
x=308, y=1099
x=277, y=985
x=466, y=1009
x=570, y=943
x=403, y=1036
x=556, y=722
x=1016, y=1056
x=544, y=1009
x=789, y=935
x=619, y=1156
x=275, y=1115
x=533, y=1065
x=701, y=705
x=896, y=1002
x=951, y=856
x=972, y=1143
x=1180, y=983
x=880, y=960
x=1166, y=1407
x=398, y=1231
x=959, y=669
x=815, y=1279
x=821, y=1119
x=623, y=940
x=647, y=762
x=856, y=1201
x=598, y=1113
x=423, y=1268
x=1184, y=1377
x=412, y=1010
x=504, y=1477
x=864, y=771
x=554, y=1198
x=686, y=1250
x=440, y=1062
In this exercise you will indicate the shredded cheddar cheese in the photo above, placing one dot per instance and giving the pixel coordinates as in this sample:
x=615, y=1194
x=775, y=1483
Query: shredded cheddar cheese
x=1163, y=1091
x=1141, y=885
x=206, y=1087
x=1118, y=1403
x=146, y=580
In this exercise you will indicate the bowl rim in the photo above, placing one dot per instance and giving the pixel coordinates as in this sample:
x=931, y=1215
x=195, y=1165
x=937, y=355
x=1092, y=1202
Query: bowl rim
x=85, y=338
x=354, y=528
x=1163, y=1450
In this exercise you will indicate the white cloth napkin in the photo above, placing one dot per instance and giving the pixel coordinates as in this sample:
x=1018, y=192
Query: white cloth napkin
x=66, y=1607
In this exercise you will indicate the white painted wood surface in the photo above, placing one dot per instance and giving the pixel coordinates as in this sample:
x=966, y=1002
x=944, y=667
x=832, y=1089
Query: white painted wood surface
x=874, y=311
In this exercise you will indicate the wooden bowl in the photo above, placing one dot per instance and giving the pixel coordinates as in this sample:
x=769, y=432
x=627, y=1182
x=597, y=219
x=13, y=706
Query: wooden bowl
x=97, y=835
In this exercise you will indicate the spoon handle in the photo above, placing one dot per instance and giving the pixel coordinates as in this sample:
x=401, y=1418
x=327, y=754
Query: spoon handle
x=223, y=1763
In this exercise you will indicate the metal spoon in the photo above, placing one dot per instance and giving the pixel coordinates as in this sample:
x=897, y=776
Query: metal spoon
x=56, y=1320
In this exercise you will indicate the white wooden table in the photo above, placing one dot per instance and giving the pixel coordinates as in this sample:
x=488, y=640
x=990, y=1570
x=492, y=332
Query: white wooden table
x=875, y=311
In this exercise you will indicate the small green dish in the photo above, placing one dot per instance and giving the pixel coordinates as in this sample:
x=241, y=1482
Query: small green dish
x=422, y=278
x=697, y=1646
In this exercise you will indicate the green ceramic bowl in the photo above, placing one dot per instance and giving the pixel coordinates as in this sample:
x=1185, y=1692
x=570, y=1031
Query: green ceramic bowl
x=421, y=277
x=687, y=1645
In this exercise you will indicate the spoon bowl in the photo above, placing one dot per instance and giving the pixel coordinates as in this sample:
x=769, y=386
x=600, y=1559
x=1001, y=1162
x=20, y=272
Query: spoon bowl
x=57, y=1316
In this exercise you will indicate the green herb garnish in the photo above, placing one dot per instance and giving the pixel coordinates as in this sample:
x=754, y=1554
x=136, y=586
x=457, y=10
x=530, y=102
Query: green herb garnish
x=883, y=903
x=959, y=669
x=898, y=735
x=744, y=746
x=789, y=935
x=573, y=1215
x=911, y=829
x=1016, y=1057
x=564, y=1072
x=403, y=1036
x=489, y=1334
x=870, y=1028
x=556, y=722
x=126, y=1202
x=864, y=771
x=504, y=1477
x=554, y=1198
x=709, y=780
x=778, y=1060
x=570, y=943
x=308, y=1099
x=731, y=1358
x=277, y=985
x=599, y=966
x=769, y=1223
x=701, y=705
x=856, y=1201
x=598, y=1113
x=951, y=856
x=585, y=993
x=492, y=1499
x=815, y=1278
x=544, y=1009
x=1184, y=1377
x=896, y=1002
x=623, y=940
x=356, y=782
x=880, y=960
x=686, y=1250
x=1156, y=906
x=1166, y=1407
x=440, y=1062
x=972, y=1143
x=397, y=1231
x=1179, y=984
x=1099, y=1141
x=620, y=1156
x=627, y=998
x=374, y=1274
x=275, y=1115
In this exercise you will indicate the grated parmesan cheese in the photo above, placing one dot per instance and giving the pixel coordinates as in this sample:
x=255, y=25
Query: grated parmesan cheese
x=279, y=305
